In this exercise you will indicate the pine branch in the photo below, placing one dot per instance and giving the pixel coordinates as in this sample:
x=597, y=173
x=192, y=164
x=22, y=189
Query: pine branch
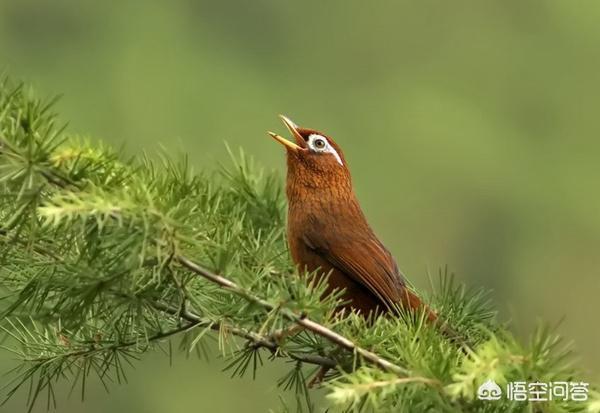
x=300, y=319
x=255, y=340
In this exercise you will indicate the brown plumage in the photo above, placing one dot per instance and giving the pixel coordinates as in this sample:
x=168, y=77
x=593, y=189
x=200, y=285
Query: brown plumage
x=328, y=232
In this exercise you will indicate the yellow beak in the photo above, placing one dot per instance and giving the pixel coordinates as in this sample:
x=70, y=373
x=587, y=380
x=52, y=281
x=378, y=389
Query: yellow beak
x=288, y=144
x=293, y=128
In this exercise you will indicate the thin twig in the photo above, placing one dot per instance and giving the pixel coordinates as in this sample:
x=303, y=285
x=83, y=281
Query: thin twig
x=305, y=322
x=255, y=339
x=400, y=380
x=119, y=346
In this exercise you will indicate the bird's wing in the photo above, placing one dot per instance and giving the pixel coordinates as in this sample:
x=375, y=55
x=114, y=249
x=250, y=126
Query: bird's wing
x=364, y=259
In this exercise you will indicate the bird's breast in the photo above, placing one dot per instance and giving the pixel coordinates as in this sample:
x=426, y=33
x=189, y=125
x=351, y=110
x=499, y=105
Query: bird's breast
x=308, y=260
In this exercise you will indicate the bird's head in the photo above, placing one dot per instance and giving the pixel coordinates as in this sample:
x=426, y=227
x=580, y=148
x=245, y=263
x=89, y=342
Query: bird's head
x=314, y=160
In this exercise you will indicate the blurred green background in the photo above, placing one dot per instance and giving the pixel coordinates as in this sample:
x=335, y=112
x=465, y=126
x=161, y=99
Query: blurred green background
x=471, y=128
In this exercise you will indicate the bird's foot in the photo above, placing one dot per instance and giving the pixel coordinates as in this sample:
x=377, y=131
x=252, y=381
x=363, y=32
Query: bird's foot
x=318, y=377
x=279, y=336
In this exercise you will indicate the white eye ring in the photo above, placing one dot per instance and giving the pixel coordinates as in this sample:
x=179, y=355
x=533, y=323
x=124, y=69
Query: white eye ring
x=320, y=144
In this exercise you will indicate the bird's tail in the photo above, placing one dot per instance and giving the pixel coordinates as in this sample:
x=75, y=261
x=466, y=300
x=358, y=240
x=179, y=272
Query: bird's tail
x=412, y=302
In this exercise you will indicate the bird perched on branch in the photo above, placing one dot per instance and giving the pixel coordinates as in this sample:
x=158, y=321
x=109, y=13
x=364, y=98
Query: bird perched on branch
x=328, y=232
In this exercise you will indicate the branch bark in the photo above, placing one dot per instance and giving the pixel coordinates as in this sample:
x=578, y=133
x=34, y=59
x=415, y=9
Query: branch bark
x=299, y=319
x=254, y=339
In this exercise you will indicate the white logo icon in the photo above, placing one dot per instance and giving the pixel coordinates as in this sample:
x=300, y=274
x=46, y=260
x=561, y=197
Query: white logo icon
x=489, y=391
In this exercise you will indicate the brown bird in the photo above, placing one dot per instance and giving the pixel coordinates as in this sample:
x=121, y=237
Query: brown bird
x=328, y=232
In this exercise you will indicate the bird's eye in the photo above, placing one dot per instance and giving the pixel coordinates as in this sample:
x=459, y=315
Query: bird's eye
x=319, y=143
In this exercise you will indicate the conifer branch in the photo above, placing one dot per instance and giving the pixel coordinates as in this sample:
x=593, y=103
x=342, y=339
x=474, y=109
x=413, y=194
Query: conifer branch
x=300, y=319
x=255, y=340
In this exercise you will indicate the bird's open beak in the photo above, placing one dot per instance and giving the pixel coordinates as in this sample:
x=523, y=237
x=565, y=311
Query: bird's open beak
x=293, y=128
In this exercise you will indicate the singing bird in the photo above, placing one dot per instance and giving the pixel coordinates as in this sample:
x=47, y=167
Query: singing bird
x=327, y=230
